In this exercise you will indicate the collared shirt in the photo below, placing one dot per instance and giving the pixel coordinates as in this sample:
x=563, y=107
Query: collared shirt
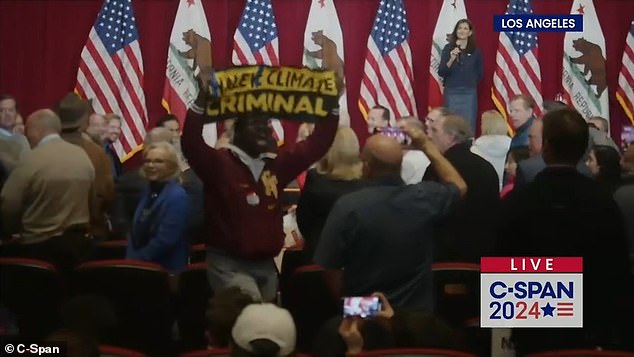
x=255, y=165
x=48, y=138
x=5, y=132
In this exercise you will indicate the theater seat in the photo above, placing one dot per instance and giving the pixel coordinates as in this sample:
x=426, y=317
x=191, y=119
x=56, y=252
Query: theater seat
x=218, y=352
x=112, y=249
x=197, y=253
x=310, y=303
x=193, y=296
x=457, y=291
x=32, y=291
x=581, y=353
x=112, y=351
x=418, y=352
x=140, y=295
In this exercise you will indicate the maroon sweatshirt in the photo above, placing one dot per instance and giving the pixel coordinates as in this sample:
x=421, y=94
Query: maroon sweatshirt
x=243, y=216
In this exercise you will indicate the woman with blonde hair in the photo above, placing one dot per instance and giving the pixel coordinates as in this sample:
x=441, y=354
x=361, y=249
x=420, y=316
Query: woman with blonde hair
x=336, y=174
x=494, y=142
x=161, y=218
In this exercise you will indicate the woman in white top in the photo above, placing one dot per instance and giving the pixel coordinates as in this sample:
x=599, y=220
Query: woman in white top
x=494, y=142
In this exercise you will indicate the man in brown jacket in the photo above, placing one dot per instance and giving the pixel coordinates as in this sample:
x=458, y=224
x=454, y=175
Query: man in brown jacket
x=73, y=111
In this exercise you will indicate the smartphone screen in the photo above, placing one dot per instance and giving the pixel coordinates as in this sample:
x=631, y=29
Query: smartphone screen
x=362, y=306
x=396, y=133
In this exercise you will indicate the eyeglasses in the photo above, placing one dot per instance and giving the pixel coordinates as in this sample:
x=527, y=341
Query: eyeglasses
x=428, y=119
x=154, y=162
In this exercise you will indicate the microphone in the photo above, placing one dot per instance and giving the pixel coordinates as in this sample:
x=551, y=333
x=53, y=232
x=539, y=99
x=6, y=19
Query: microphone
x=459, y=53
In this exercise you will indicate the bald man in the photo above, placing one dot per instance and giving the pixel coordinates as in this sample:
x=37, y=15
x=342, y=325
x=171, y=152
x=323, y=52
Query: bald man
x=381, y=236
x=46, y=199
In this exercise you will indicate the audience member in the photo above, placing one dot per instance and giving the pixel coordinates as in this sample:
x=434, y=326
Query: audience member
x=72, y=111
x=96, y=128
x=604, y=162
x=414, y=163
x=130, y=186
x=222, y=312
x=461, y=70
x=522, y=117
x=493, y=143
x=466, y=233
x=556, y=215
x=624, y=197
x=112, y=134
x=18, y=128
x=242, y=182
x=378, y=118
x=160, y=221
x=263, y=330
x=171, y=123
x=13, y=146
x=337, y=173
x=74, y=343
x=390, y=328
x=46, y=199
x=515, y=156
x=381, y=238
x=528, y=169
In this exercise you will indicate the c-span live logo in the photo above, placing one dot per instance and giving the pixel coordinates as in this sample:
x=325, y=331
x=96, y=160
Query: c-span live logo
x=531, y=292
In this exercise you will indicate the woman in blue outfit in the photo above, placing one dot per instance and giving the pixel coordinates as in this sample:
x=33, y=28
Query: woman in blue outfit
x=160, y=220
x=461, y=70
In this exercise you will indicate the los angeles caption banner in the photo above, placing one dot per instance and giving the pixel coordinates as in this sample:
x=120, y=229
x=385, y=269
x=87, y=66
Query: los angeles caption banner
x=300, y=94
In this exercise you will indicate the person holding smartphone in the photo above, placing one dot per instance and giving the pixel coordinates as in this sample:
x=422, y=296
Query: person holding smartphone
x=461, y=70
x=382, y=236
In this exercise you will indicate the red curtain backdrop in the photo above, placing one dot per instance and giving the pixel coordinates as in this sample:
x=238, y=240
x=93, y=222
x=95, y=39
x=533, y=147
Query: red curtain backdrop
x=42, y=39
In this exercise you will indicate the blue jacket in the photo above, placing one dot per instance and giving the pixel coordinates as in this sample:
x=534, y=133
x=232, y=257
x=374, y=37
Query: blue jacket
x=165, y=225
x=466, y=71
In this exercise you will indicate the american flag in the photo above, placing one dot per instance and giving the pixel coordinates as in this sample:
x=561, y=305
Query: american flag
x=111, y=73
x=517, y=70
x=625, y=89
x=388, y=76
x=256, y=42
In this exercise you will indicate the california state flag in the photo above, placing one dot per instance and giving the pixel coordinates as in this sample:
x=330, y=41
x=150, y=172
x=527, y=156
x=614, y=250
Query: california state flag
x=189, y=55
x=450, y=12
x=584, y=79
x=323, y=45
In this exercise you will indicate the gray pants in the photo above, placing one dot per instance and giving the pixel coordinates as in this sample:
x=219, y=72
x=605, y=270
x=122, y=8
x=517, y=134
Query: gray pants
x=256, y=278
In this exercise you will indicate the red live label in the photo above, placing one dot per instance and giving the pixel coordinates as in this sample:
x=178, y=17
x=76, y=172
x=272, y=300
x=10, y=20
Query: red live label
x=531, y=265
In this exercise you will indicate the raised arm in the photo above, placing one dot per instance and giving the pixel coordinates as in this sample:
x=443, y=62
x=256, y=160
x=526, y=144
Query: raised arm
x=294, y=159
x=443, y=168
x=447, y=59
x=198, y=154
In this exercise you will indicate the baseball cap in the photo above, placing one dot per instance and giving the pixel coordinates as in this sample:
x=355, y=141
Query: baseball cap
x=265, y=322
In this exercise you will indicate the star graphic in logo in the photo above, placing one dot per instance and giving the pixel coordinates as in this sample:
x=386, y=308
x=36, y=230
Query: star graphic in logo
x=322, y=3
x=581, y=9
x=548, y=310
x=453, y=3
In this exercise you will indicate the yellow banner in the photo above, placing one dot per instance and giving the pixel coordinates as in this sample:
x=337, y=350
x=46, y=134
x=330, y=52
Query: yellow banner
x=282, y=92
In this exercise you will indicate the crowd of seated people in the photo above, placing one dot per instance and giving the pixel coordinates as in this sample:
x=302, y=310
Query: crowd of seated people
x=375, y=217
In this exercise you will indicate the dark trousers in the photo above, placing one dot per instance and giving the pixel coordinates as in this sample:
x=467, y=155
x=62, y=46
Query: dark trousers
x=65, y=251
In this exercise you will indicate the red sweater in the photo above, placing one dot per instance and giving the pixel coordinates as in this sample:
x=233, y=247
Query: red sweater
x=243, y=216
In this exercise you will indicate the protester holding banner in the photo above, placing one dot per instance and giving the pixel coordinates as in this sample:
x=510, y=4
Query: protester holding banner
x=243, y=182
x=461, y=70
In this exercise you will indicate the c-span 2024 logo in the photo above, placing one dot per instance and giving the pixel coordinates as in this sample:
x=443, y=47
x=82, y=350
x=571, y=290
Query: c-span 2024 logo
x=531, y=292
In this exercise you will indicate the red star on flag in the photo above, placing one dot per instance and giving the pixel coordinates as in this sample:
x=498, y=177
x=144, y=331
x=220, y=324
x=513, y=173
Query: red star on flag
x=581, y=9
x=190, y=3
